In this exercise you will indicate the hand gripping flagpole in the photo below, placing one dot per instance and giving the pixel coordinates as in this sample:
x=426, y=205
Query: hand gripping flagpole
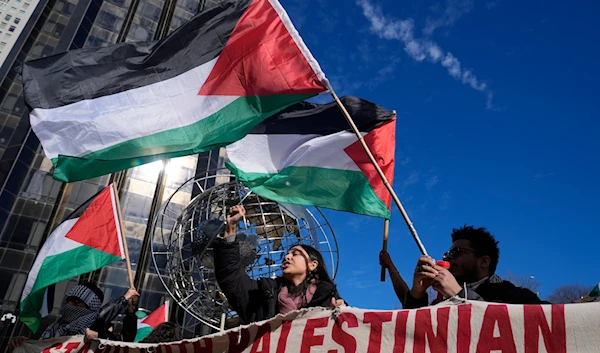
x=411, y=228
x=386, y=231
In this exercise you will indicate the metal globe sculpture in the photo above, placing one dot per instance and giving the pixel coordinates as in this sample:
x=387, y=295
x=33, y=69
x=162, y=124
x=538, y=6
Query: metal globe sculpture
x=183, y=236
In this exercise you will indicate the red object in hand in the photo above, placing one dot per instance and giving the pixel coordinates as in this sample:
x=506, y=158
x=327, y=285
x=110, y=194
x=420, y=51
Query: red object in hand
x=444, y=264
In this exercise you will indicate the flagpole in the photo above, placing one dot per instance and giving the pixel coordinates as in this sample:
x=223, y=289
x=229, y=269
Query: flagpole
x=411, y=228
x=125, y=249
x=386, y=230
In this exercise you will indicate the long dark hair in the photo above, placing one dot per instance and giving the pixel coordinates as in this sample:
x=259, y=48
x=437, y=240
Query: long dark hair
x=319, y=274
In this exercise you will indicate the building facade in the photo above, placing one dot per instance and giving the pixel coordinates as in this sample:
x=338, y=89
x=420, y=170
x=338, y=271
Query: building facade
x=30, y=199
x=14, y=15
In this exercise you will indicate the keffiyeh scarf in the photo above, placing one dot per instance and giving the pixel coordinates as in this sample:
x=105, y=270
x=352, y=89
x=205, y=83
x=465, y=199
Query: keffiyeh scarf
x=74, y=320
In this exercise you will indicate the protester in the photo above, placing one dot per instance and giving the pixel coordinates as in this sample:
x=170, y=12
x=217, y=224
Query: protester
x=164, y=333
x=473, y=258
x=79, y=312
x=108, y=313
x=400, y=286
x=305, y=282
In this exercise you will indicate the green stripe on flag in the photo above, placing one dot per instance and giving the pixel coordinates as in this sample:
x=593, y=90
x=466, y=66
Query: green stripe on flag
x=233, y=122
x=342, y=190
x=142, y=332
x=56, y=268
x=595, y=293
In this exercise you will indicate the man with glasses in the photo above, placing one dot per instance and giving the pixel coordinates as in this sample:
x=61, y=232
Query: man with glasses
x=473, y=258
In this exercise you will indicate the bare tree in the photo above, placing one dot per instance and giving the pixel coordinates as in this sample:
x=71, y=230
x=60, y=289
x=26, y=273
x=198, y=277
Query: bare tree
x=569, y=293
x=528, y=282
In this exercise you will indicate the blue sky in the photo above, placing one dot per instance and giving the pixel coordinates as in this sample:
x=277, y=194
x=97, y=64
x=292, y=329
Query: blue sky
x=497, y=114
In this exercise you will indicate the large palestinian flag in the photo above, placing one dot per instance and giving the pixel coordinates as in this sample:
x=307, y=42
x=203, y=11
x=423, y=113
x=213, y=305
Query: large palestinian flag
x=146, y=324
x=88, y=240
x=306, y=155
x=207, y=84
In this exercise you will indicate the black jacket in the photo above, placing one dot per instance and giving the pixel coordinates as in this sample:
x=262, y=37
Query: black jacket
x=255, y=300
x=503, y=292
x=108, y=313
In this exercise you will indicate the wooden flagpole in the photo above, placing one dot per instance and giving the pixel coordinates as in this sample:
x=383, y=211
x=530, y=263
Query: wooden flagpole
x=386, y=230
x=411, y=228
x=125, y=249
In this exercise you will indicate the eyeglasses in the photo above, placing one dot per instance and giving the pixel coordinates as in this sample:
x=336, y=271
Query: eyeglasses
x=455, y=252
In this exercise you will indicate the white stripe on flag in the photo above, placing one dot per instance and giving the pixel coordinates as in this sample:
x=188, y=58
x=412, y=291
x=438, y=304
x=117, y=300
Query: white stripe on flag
x=94, y=124
x=55, y=244
x=269, y=154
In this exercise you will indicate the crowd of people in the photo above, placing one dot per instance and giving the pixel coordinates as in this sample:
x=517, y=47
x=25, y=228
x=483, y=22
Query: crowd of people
x=473, y=257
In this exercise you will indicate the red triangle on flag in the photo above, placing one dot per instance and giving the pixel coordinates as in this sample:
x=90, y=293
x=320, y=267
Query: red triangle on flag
x=261, y=58
x=382, y=143
x=158, y=316
x=98, y=226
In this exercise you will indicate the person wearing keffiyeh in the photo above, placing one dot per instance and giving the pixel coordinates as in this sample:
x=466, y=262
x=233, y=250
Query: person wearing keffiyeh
x=79, y=312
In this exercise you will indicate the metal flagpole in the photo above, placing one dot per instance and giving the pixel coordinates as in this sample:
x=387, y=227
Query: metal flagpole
x=411, y=228
x=140, y=273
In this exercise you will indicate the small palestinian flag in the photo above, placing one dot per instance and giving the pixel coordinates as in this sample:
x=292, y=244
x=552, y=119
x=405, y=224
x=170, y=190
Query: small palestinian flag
x=595, y=293
x=147, y=324
x=306, y=155
x=101, y=110
x=88, y=240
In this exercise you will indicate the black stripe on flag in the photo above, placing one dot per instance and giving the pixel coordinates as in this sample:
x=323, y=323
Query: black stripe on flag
x=90, y=73
x=324, y=119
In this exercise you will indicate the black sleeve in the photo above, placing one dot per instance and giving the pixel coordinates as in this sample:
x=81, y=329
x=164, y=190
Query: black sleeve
x=129, y=330
x=413, y=303
x=242, y=292
x=111, y=310
x=518, y=295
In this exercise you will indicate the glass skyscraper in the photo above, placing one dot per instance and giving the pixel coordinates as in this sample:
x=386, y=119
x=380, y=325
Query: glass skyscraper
x=30, y=199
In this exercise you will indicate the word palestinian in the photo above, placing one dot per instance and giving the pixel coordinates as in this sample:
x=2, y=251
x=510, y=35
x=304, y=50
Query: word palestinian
x=473, y=327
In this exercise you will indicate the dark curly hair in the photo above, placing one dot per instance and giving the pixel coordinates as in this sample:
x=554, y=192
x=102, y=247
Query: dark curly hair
x=482, y=241
x=164, y=333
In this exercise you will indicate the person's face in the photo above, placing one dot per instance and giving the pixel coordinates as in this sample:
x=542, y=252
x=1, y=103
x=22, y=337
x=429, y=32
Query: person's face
x=74, y=301
x=463, y=261
x=297, y=263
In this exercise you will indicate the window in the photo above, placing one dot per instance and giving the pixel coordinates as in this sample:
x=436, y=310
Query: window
x=2, y=25
x=18, y=2
x=12, y=28
x=21, y=12
x=13, y=9
x=6, y=35
x=2, y=45
x=7, y=17
x=25, y=5
x=17, y=20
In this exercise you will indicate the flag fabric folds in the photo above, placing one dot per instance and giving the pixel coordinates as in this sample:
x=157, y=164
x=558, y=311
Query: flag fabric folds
x=306, y=155
x=88, y=240
x=101, y=110
x=148, y=323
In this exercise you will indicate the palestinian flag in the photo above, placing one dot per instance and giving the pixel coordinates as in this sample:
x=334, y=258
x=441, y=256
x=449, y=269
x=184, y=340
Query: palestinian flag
x=88, y=240
x=306, y=155
x=102, y=110
x=595, y=293
x=148, y=323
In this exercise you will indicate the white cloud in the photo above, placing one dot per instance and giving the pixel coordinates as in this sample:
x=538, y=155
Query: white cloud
x=421, y=49
x=453, y=11
x=412, y=179
x=433, y=181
